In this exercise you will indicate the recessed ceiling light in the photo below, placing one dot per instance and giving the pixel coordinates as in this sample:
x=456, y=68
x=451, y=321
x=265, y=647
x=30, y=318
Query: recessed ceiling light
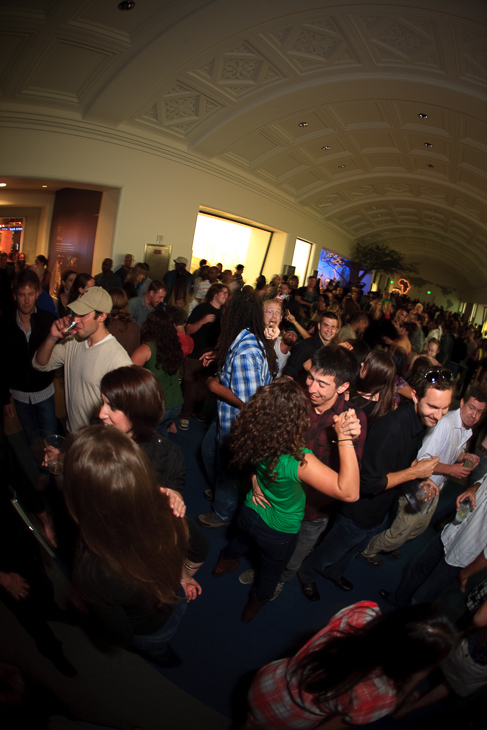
x=423, y=116
x=3, y=185
x=303, y=124
x=428, y=144
x=341, y=166
x=43, y=186
x=326, y=147
x=126, y=5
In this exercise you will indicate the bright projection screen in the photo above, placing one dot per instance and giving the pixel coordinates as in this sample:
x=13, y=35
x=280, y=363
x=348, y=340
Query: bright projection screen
x=336, y=269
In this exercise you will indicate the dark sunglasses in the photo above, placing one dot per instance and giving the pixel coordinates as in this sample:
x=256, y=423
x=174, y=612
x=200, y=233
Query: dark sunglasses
x=432, y=376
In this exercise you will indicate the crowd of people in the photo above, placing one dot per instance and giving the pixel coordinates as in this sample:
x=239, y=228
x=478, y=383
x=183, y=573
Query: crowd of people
x=331, y=430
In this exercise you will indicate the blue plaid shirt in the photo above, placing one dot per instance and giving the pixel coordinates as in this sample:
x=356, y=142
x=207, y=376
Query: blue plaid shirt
x=244, y=370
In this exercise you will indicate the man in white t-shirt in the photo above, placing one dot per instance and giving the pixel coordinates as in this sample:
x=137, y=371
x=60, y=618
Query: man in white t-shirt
x=283, y=346
x=87, y=355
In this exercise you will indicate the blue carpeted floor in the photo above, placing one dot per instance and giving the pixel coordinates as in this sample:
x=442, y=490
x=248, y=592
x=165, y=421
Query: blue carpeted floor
x=220, y=653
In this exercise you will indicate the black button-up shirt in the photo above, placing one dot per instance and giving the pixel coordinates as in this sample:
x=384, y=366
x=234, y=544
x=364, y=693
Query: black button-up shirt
x=392, y=445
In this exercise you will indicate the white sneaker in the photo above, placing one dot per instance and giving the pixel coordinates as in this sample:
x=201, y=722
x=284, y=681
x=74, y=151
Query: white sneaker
x=247, y=577
x=277, y=591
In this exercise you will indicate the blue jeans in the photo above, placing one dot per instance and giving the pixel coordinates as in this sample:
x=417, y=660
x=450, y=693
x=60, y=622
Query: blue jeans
x=275, y=548
x=155, y=644
x=38, y=420
x=339, y=547
x=208, y=452
x=224, y=479
x=168, y=418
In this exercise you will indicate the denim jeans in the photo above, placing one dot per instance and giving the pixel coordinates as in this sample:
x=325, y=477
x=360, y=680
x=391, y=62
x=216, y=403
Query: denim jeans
x=275, y=548
x=339, y=547
x=155, y=644
x=37, y=419
x=224, y=479
x=169, y=416
x=208, y=452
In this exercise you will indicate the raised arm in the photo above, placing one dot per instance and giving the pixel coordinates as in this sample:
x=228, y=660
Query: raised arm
x=292, y=319
x=346, y=484
x=56, y=333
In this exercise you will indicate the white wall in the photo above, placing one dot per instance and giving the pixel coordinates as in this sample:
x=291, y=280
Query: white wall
x=35, y=206
x=160, y=192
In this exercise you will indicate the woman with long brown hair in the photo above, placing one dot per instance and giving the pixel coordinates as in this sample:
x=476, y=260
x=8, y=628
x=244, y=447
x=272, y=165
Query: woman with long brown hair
x=121, y=325
x=80, y=286
x=359, y=668
x=68, y=278
x=374, y=388
x=269, y=438
x=162, y=354
x=133, y=402
x=131, y=547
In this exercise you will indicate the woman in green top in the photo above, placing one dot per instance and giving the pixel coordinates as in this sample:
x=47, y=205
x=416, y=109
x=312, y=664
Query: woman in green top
x=162, y=354
x=269, y=438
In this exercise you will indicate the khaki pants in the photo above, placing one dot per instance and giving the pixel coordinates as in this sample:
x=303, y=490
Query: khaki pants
x=406, y=526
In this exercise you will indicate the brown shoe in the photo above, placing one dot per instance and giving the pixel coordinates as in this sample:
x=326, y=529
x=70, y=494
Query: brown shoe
x=225, y=565
x=253, y=607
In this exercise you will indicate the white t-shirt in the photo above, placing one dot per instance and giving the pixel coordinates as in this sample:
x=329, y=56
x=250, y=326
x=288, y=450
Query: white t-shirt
x=84, y=367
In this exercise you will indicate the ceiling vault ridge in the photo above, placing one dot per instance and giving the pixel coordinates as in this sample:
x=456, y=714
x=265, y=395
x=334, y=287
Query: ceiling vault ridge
x=78, y=128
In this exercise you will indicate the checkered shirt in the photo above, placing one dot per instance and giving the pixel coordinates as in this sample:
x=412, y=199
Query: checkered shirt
x=244, y=370
x=275, y=701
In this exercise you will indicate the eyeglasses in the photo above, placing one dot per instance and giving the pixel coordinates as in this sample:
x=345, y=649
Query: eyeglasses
x=433, y=376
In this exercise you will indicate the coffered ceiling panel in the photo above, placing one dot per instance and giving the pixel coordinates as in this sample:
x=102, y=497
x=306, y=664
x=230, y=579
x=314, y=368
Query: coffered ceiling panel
x=371, y=116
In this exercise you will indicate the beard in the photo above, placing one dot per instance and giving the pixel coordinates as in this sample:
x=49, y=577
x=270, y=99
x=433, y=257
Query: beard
x=289, y=339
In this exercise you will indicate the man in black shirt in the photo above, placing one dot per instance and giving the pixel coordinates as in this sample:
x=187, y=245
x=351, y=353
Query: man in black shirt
x=203, y=326
x=21, y=334
x=327, y=330
x=107, y=279
x=389, y=461
x=306, y=296
x=6, y=278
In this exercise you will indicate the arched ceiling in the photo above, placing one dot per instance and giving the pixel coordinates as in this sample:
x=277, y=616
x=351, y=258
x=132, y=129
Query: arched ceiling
x=318, y=102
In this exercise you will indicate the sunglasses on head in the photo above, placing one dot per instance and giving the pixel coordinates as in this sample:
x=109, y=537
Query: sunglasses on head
x=436, y=374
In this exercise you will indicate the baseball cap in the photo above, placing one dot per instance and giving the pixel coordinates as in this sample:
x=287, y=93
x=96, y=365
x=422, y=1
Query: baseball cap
x=181, y=260
x=95, y=299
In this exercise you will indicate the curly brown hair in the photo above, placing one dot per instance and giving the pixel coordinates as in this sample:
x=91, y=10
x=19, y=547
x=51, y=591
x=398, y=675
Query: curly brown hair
x=159, y=328
x=273, y=423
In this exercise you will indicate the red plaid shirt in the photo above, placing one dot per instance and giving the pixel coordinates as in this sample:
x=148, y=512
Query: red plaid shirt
x=275, y=702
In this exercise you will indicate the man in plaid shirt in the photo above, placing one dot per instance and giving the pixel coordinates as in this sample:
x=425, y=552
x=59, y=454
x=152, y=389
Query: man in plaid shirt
x=249, y=362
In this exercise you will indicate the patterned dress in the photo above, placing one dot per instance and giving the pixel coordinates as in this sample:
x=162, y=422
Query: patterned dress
x=274, y=698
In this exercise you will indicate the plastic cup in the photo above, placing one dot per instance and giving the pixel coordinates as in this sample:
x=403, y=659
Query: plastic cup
x=54, y=444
